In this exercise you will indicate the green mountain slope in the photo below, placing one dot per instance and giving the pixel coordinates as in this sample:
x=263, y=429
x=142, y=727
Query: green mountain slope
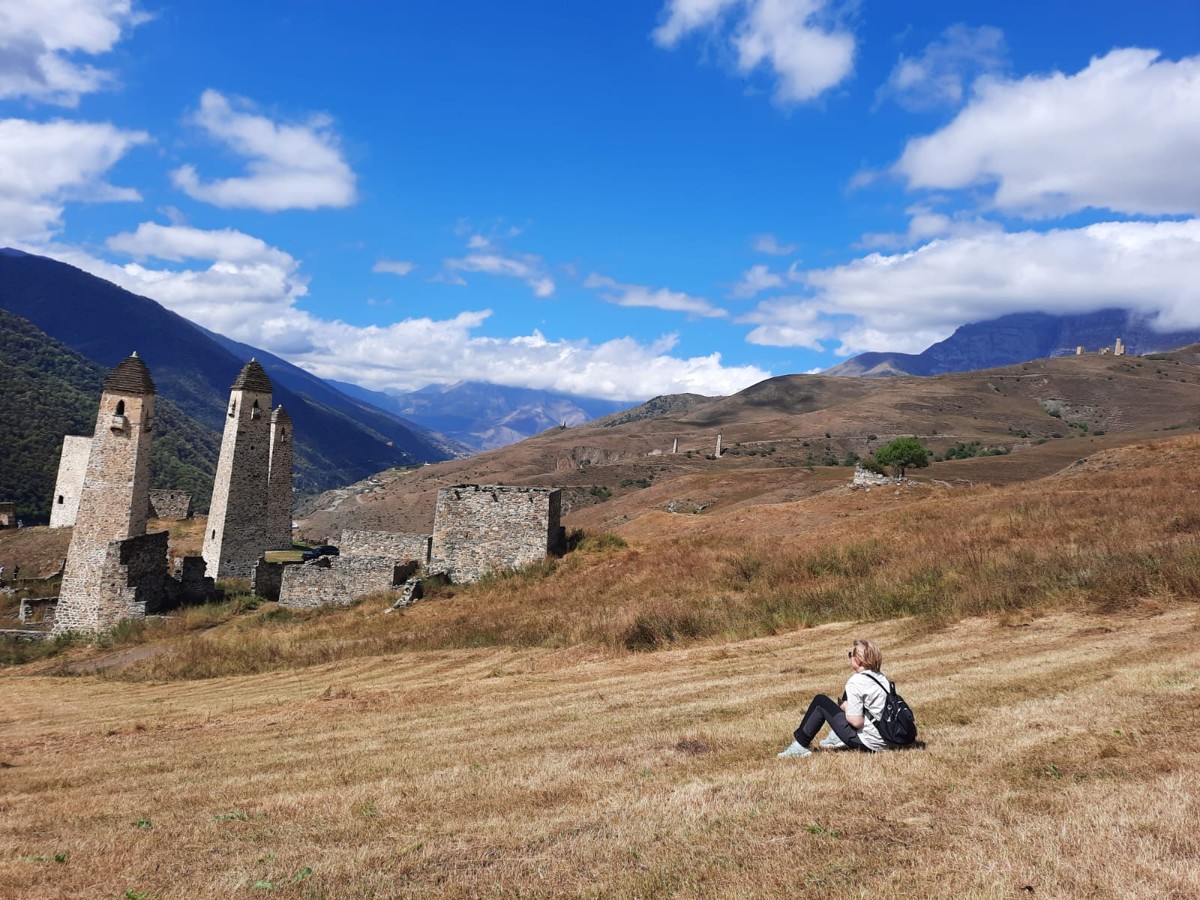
x=47, y=390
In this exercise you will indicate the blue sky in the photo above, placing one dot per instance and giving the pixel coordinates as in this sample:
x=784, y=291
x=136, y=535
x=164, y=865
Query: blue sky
x=616, y=200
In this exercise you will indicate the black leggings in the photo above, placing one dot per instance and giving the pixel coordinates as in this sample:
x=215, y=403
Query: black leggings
x=822, y=710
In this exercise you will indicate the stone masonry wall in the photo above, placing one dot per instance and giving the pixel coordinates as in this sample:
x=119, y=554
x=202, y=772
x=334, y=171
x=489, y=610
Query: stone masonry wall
x=129, y=581
x=394, y=545
x=171, y=506
x=479, y=529
x=344, y=581
x=234, y=537
x=8, y=515
x=112, y=508
x=279, y=483
x=72, y=467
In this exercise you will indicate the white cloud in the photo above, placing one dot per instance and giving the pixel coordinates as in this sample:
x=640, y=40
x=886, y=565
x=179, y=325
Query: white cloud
x=39, y=40
x=767, y=243
x=754, y=281
x=656, y=298
x=906, y=301
x=44, y=165
x=940, y=75
x=926, y=223
x=788, y=322
x=416, y=352
x=526, y=267
x=798, y=40
x=250, y=291
x=394, y=267
x=1123, y=134
x=290, y=166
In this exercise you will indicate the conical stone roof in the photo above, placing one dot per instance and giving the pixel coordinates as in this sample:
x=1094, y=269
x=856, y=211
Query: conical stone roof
x=253, y=377
x=129, y=377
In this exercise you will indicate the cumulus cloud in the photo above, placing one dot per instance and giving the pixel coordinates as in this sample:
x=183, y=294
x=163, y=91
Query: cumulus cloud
x=906, y=301
x=43, y=165
x=289, y=165
x=240, y=286
x=656, y=298
x=769, y=244
x=394, y=267
x=40, y=41
x=754, y=281
x=799, y=41
x=941, y=74
x=1123, y=134
x=924, y=224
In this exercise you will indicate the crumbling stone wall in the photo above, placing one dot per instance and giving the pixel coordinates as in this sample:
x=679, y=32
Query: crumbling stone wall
x=171, y=506
x=8, y=515
x=396, y=545
x=267, y=580
x=479, y=529
x=72, y=467
x=867, y=478
x=311, y=586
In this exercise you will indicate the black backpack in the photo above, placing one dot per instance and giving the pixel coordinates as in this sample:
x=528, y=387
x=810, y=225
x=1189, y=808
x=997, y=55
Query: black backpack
x=897, y=725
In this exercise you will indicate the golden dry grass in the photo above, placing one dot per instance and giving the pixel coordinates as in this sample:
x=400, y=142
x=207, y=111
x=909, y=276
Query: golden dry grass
x=380, y=756
x=1062, y=760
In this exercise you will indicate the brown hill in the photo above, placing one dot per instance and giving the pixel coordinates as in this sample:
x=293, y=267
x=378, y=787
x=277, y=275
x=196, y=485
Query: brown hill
x=783, y=438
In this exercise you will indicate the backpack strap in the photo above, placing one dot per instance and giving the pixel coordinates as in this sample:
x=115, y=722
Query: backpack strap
x=867, y=712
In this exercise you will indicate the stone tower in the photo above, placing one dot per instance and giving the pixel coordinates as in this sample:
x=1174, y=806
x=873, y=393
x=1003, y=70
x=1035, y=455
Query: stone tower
x=236, y=535
x=113, y=503
x=279, y=482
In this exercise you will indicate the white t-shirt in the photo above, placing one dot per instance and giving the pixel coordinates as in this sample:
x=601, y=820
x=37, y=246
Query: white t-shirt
x=864, y=692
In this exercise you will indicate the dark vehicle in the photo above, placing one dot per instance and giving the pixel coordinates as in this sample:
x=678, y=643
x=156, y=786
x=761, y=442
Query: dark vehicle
x=325, y=550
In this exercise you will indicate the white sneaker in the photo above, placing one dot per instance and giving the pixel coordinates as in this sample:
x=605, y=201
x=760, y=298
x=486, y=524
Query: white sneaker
x=794, y=749
x=832, y=742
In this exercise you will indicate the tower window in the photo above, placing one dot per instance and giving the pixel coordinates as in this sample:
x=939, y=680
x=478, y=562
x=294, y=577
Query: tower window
x=60, y=499
x=120, y=410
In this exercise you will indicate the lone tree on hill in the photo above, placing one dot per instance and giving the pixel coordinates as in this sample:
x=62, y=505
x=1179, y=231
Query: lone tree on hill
x=901, y=454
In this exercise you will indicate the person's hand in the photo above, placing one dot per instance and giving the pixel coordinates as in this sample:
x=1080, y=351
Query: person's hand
x=843, y=705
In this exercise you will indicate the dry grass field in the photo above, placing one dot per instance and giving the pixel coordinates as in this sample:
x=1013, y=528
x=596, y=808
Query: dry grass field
x=516, y=739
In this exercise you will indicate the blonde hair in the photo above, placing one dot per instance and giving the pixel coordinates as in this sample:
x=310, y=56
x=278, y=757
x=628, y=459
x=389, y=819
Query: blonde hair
x=869, y=655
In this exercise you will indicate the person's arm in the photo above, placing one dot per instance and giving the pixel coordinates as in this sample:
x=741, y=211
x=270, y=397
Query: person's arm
x=853, y=707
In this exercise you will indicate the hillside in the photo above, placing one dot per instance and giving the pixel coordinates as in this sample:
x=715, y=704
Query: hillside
x=790, y=436
x=47, y=390
x=515, y=737
x=337, y=442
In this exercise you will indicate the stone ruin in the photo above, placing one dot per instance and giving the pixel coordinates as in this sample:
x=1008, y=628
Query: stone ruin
x=114, y=569
x=8, y=515
x=166, y=505
x=477, y=530
x=864, y=477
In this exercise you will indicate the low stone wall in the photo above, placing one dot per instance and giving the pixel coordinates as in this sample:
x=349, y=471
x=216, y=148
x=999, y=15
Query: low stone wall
x=479, y=529
x=171, y=506
x=396, y=545
x=343, y=581
x=267, y=579
x=867, y=478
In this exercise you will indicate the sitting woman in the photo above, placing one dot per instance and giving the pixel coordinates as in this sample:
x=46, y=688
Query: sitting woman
x=850, y=721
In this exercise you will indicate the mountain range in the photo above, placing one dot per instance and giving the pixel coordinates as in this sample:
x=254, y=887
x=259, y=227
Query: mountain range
x=338, y=439
x=1017, y=338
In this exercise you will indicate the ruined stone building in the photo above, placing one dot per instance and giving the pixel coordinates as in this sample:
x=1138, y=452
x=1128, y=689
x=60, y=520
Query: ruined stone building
x=479, y=529
x=8, y=515
x=72, y=467
x=114, y=569
x=251, y=508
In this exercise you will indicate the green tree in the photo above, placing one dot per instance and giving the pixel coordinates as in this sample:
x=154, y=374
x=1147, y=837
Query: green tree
x=901, y=454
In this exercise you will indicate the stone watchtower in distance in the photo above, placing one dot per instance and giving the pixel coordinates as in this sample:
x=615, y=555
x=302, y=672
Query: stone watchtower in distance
x=279, y=483
x=114, y=500
x=236, y=534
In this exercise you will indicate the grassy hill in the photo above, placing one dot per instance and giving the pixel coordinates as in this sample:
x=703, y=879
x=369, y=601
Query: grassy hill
x=48, y=390
x=514, y=737
x=791, y=436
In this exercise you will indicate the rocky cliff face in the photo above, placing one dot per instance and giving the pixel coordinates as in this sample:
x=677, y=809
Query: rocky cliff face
x=1018, y=338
